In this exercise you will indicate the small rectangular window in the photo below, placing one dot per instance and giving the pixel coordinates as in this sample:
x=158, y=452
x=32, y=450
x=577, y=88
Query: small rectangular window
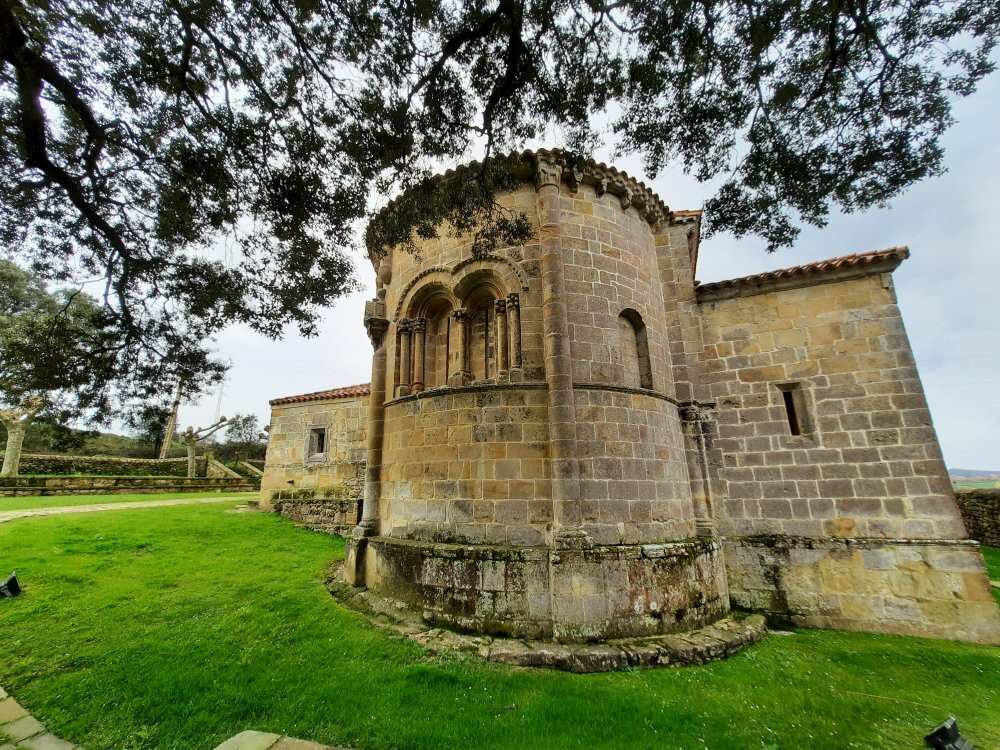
x=793, y=397
x=316, y=448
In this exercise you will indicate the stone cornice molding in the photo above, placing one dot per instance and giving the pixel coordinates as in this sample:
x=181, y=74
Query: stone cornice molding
x=554, y=167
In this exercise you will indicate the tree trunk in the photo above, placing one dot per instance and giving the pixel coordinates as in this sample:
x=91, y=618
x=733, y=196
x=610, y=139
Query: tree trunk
x=191, y=460
x=15, y=439
x=168, y=433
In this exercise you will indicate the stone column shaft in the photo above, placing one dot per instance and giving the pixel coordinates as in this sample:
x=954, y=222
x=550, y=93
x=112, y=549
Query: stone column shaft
x=369, y=525
x=419, y=328
x=403, y=386
x=567, y=505
x=458, y=355
x=501, y=336
x=514, y=321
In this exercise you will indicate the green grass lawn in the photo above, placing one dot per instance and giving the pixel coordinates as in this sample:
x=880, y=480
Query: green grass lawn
x=992, y=557
x=27, y=502
x=175, y=629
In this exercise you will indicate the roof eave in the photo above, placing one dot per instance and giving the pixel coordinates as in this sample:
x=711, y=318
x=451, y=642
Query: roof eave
x=856, y=267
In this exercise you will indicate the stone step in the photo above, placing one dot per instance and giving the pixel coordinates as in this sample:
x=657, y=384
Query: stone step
x=251, y=740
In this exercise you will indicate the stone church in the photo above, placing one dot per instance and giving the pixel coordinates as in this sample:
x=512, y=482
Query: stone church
x=574, y=439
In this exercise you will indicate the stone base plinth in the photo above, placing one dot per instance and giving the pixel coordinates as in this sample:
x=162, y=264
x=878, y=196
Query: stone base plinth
x=572, y=595
x=934, y=588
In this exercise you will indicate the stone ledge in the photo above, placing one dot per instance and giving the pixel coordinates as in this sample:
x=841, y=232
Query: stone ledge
x=710, y=643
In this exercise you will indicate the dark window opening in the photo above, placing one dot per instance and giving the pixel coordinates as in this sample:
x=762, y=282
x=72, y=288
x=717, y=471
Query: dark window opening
x=317, y=443
x=794, y=397
x=790, y=411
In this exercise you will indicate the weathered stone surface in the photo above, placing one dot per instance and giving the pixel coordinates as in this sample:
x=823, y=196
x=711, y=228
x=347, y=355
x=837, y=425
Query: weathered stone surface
x=291, y=472
x=11, y=710
x=21, y=729
x=45, y=741
x=250, y=740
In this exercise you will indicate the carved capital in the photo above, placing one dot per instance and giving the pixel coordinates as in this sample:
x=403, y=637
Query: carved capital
x=376, y=328
x=500, y=306
x=513, y=301
x=460, y=314
x=547, y=173
x=418, y=325
x=404, y=325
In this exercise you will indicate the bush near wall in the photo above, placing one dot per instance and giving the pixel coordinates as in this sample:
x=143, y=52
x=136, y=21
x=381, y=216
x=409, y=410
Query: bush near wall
x=63, y=465
x=981, y=513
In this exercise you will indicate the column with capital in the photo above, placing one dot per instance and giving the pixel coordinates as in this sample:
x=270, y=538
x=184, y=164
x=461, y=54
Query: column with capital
x=418, y=329
x=567, y=502
x=403, y=386
x=503, y=346
x=368, y=524
x=458, y=352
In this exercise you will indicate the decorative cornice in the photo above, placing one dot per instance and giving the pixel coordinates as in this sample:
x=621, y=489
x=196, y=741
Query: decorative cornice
x=821, y=272
x=555, y=166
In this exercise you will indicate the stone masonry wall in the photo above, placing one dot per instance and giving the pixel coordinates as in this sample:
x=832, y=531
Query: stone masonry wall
x=633, y=476
x=981, y=512
x=340, y=473
x=868, y=462
x=331, y=516
x=443, y=261
x=853, y=523
x=467, y=465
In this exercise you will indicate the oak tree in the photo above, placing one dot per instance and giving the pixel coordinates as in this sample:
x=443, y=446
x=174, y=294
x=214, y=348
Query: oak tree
x=210, y=160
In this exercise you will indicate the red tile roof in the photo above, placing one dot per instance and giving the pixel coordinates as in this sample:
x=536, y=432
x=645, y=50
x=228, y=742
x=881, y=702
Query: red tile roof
x=349, y=391
x=875, y=261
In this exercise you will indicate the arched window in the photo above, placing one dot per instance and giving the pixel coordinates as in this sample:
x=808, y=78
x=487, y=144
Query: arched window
x=481, y=304
x=634, y=350
x=437, y=314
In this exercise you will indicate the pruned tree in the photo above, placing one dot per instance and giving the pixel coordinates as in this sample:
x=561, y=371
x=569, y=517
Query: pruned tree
x=191, y=437
x=135, y=136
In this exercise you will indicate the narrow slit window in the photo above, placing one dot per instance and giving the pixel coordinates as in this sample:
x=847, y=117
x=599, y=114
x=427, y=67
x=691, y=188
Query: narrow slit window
x=791, y=413
x=793, y=397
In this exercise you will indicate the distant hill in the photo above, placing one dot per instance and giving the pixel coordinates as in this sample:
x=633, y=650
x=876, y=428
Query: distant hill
x=973, y=473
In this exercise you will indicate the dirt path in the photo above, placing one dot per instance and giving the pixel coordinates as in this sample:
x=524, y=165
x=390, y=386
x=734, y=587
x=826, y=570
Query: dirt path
x=10, y=515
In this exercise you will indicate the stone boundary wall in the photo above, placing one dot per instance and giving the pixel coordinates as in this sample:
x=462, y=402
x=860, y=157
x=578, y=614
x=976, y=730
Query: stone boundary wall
x=981, y=513
x=99, y=485
x=111, y=466
x=331, y=515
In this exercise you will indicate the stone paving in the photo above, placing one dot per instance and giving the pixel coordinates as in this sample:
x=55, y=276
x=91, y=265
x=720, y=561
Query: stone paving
x=10, y=515
x=19, y=731
x=266, y=741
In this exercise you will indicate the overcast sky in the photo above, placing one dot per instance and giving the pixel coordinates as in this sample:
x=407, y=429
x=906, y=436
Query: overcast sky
x=949, y=293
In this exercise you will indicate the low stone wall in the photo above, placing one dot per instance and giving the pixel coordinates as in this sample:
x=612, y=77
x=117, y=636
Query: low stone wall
x=100, y=485
x=110, y=466
x=981, y=513
x=330, y=515
x=574, y=595
x=935, y=589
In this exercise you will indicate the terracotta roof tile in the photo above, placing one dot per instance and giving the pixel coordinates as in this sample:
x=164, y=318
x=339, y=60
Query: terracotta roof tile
x=349, y=391
x=891, y=256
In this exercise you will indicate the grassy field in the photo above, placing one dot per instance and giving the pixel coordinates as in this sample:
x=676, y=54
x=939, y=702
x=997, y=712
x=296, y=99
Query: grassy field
x=27, y=502
x=175, y=629
x=990, y=485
